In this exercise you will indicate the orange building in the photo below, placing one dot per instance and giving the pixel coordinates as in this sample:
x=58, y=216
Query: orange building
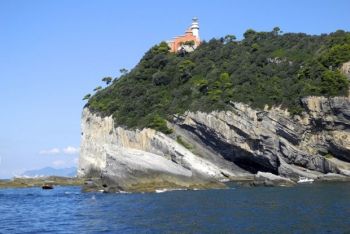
x=191, y=35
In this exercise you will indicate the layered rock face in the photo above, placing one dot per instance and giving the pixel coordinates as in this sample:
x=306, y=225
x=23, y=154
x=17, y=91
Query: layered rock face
x=226, y=145
x=311, y=145
x=135, y=160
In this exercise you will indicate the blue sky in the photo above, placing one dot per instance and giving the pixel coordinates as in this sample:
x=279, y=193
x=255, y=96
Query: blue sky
x=52, y=53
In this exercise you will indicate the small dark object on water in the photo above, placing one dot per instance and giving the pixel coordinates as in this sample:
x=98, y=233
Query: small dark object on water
x=47, y=186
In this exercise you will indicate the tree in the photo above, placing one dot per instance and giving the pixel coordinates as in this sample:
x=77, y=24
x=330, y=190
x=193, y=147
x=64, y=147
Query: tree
x=161, y=78
x=123, y=71
x=189, y=43
x=229, y=38
x=159, y=124
x=250, y=36
x=337, y=55
x=185, y=67
x=87, y=96
x=255, y=47
x=200, y=83
x=163, y=48
x=224, y=80
x=276, y=31
x=97, y=88
x=334, y=82
x=107, y=79
x=249, y=33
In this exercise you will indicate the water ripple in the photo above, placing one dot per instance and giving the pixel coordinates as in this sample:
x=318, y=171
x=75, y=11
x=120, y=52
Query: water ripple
x=320, y=208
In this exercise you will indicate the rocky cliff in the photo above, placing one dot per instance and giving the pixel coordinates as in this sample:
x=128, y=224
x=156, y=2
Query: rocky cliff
x=228, y=145
x=140, y=160
x=311, y=145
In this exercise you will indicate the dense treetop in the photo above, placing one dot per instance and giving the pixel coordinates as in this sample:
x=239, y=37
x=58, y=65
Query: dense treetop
x=265, y=68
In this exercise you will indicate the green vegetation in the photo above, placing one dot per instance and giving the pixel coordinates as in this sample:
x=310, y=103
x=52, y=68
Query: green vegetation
x=183, y=143
x=265, y=68
x=158, y=123
x=328, y=155
x=87, y=96
x=188, y=43
x=97, y=88
x=123, y=71
x=107, y=79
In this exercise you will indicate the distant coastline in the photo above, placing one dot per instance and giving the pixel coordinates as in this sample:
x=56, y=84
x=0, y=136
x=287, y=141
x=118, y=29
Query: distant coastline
x=39, y=181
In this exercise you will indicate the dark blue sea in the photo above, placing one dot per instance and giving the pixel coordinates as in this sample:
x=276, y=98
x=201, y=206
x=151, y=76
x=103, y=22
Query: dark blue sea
x=315, y=208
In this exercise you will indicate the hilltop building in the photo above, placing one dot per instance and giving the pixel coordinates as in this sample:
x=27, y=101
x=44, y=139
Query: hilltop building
x=189, y=41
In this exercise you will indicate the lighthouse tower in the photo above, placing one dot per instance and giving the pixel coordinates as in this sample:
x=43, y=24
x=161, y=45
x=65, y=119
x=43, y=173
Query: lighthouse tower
x=195, y=28
x=180, y=43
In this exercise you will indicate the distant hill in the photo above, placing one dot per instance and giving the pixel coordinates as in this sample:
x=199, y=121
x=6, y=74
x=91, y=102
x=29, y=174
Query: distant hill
x=49, y=171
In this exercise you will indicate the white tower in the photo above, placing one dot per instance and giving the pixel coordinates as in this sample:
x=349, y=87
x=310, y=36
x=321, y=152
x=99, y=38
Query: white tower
x=195, y=27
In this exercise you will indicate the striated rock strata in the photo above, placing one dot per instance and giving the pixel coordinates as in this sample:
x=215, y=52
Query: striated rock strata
x=140, y=160
x=223, y=145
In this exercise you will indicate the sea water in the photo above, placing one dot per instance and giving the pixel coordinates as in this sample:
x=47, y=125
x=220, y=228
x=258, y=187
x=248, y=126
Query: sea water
x=310, y=208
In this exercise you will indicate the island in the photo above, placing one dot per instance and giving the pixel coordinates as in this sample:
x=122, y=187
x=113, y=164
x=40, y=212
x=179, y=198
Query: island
x=273, y=106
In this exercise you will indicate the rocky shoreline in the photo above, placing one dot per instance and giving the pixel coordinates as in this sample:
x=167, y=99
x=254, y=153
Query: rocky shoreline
x=261, y=179
x=40, y=181
x=101, y=185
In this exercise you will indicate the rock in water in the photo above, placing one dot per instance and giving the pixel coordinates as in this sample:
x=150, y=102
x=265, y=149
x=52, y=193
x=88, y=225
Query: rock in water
x=269, y=179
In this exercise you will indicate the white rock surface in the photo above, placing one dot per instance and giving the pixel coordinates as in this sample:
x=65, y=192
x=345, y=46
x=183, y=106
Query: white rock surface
x=124, y=154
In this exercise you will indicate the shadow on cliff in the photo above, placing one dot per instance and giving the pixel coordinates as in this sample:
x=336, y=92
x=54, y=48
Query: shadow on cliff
x=243, y=159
